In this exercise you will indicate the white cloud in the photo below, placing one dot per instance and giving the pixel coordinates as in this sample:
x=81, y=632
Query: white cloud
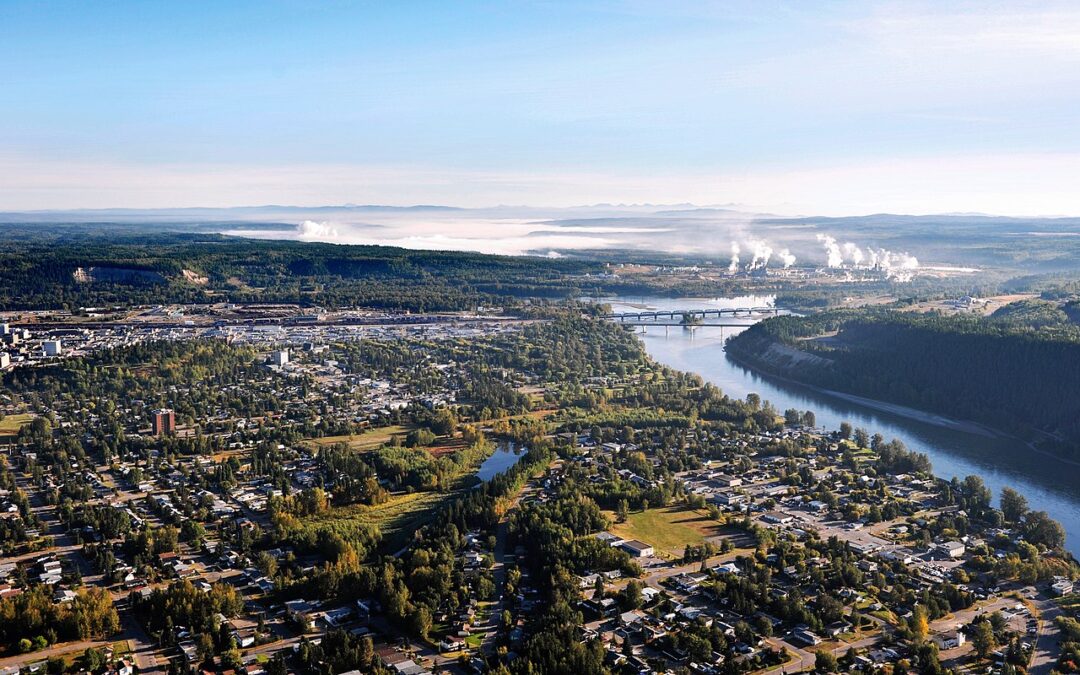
x=316, y=231
x=1012, y=30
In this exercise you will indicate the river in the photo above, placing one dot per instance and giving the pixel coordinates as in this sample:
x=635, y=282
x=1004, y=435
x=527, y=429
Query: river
x=1049, y=484
x=504, y=457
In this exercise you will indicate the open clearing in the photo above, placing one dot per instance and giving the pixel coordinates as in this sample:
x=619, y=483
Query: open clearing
x=397, y=518
x=402, y=514
x=668, y=529
x=369, y=440
x=10, y=425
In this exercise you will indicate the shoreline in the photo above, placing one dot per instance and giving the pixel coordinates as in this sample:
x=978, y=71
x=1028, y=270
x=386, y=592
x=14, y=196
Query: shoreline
x=907, y=412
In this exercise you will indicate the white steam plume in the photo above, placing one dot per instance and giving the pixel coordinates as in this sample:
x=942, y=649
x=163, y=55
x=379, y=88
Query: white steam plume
x=734, y=266
x=787, y=258
x=833, y=256
x=895, y=266
x=762, y=253
x=853, y=253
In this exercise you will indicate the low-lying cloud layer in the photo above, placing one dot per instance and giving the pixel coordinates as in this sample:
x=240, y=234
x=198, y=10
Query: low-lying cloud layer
x=501, y=237
x=895, y=247
x=506, y=231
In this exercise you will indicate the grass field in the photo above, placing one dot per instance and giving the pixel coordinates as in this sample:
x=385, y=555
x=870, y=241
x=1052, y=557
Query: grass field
x=397, y=518
x=403, y=513
x=668, y=529
x=391, y=512
x=369, y=440
x=446, y=446
x=10, y=425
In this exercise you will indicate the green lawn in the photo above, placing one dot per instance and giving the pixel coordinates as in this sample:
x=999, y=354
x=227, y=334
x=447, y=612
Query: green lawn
x=10, y=425
x=475, y=640
x=668, y=529
x=369, y=440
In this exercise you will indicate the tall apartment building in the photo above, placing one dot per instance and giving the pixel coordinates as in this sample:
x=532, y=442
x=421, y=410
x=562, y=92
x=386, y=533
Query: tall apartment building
x=164, y=421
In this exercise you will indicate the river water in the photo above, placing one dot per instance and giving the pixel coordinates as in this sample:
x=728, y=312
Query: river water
x=1049, y=484
x=504, y=457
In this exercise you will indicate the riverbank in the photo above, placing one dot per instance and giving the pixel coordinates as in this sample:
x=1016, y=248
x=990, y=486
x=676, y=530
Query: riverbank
x=907, y=412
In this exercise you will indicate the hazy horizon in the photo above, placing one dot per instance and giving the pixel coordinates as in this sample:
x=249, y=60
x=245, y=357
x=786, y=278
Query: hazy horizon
x=723, y=234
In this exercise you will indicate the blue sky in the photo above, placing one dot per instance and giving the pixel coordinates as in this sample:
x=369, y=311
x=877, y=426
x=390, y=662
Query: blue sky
x=826, y=107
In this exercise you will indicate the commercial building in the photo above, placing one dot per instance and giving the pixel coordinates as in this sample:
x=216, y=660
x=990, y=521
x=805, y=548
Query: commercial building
x=777, y=518
x=724, y=480
x=730, y=499
x=950, y=549
x=950, y=640
x=52, y=347
x=279, y=357
x=1061, y=586
x=637, y=549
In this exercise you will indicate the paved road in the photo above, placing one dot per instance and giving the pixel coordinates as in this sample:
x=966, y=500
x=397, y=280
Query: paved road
x=966, y=616
x=143, y=648
x=1048, y=642
x=55, y=650
x=803, y=661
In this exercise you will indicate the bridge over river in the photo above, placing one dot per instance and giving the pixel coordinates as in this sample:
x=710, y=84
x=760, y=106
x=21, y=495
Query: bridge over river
x=694, y=317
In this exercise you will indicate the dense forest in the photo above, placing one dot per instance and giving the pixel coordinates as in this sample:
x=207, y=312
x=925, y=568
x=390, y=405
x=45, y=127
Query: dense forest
x=77, y=266
x=1015, y=370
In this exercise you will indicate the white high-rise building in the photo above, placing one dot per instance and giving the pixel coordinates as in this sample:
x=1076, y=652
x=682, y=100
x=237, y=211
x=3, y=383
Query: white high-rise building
x=52, y=347
x=5, y=360
x=279, y=357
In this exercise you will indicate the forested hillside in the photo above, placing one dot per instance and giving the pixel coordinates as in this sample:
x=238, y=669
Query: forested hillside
x=72, y=266
x=1018, y=370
